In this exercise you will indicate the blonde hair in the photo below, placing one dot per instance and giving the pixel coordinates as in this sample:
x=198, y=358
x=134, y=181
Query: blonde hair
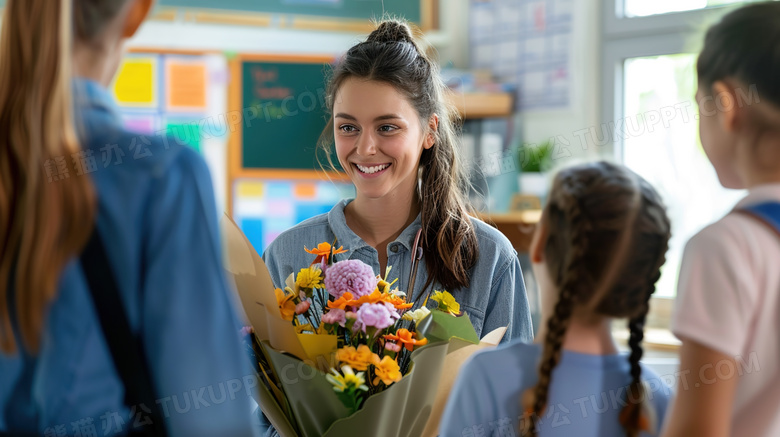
x=46, y=209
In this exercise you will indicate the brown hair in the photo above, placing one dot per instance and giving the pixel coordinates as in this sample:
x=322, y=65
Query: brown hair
x=390, y=55
x=43, y=221
x=608, y=235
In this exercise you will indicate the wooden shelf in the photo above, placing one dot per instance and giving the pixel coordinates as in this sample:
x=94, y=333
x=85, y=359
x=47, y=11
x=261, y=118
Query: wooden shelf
x=482, y=105
x=517, y=226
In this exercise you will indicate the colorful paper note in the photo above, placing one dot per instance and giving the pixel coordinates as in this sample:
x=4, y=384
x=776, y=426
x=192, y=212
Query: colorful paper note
x=186, y=85
x=136, y=84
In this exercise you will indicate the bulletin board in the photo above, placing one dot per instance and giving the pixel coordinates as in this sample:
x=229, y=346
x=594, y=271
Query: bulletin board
x=181, y=95
x=299, y=13
x=280, y=102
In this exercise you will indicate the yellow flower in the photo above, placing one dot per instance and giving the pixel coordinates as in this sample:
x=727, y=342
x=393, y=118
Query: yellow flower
x=286, y=304
x=348, y=381
x=447, y=302
x=416, y=315
x=310, y=277
x=307, y=327
x=359, y=358
x=381, y=283
x=388, y=371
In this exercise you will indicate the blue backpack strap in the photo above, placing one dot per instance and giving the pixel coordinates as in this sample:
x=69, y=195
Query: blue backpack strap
x=767, y=213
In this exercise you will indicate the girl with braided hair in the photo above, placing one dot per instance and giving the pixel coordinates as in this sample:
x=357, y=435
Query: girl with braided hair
x=597, y=254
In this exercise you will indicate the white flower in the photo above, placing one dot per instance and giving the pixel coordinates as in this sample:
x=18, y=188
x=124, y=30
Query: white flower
x=417, y=314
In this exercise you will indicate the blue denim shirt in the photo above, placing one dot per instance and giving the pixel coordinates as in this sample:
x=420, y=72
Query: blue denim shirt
x=496, y=296
x=157, y=216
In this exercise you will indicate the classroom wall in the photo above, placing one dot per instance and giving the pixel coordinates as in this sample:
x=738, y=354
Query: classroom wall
x=539, y=126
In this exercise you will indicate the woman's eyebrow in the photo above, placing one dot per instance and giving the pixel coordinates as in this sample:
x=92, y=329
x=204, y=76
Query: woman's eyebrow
x=380, y=118
x=387, y=117
x=347, y=116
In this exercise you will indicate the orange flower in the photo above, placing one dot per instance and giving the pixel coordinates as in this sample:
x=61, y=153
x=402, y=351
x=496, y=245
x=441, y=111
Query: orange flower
x=398, y=302
x=286, y=304
x=359, y=358
x=374, y=297
x=406, y=337
x=387, y=370
x=323, y=252
x=343, y=302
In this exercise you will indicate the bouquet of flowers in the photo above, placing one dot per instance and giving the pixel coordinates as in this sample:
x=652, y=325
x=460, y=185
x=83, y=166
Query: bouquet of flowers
x=340, y=350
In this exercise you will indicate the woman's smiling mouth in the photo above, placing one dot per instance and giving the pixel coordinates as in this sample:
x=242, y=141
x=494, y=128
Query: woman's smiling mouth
x=371, y=169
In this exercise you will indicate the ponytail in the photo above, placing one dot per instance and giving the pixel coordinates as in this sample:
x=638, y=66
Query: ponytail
x=46, y=209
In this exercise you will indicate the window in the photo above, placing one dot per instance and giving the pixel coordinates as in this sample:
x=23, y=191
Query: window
x=648, y=86
x=643, y=8
x=661, y=143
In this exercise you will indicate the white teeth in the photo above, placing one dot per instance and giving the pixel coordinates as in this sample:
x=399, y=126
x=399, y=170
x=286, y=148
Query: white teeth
x=374, y=169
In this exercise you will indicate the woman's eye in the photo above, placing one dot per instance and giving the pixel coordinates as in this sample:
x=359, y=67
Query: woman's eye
x=347, y=128
x=387, y=128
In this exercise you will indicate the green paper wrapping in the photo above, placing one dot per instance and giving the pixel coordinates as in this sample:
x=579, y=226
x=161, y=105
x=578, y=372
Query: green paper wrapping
x=310, y=407
x=403, y=409
x=313, y=403
x=441, y=326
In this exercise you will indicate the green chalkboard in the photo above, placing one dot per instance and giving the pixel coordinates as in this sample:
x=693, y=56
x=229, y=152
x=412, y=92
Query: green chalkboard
x=283, y=104
x=354, y=9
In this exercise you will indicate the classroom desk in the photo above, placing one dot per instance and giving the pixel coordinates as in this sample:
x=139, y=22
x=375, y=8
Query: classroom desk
x=517, y=226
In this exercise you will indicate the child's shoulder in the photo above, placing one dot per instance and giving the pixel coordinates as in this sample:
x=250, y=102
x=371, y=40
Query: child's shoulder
x=514, y=355
x=726, y=235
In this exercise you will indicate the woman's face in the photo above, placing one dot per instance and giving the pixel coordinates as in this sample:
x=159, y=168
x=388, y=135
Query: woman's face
x=379, y=138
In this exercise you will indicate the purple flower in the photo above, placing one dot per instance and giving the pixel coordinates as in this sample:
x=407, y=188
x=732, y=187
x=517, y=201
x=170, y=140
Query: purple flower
x=352, y=276
x=334, y=316
x=377, y=315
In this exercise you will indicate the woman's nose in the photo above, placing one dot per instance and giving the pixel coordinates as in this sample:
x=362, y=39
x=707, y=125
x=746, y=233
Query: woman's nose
x=366, y=145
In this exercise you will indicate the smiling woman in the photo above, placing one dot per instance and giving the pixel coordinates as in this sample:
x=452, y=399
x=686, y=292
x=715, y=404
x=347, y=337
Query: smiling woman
x=395, y=138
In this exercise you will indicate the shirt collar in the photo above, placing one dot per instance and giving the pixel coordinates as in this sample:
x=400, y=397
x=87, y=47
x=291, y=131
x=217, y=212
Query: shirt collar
x=760, y=194
x=352, y=242
x=90, y=95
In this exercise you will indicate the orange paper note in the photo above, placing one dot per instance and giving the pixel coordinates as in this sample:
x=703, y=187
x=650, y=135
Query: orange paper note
x=186, y=85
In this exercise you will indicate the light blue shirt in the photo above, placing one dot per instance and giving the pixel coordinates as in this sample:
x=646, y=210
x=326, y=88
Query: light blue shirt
x=157, y=217
x=586, y=394
x=495, y=298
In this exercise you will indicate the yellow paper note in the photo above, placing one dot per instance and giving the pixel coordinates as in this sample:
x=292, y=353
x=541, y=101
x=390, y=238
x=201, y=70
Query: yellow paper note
x=136, y=84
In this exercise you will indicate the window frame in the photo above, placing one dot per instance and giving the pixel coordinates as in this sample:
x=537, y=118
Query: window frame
x=623, y=38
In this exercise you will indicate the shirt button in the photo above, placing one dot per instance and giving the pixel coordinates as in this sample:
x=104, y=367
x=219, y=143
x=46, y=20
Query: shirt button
x=394, y=248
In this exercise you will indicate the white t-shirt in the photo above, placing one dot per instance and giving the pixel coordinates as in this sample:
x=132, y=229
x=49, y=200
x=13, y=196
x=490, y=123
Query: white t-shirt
x=729, y=300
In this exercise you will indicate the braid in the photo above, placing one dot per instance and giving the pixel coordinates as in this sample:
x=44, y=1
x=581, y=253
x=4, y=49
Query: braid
x=535, y=400
x=605, y=242
x=632, y=417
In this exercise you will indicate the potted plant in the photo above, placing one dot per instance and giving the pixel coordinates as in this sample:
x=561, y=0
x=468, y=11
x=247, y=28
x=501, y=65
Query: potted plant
x=534, y=160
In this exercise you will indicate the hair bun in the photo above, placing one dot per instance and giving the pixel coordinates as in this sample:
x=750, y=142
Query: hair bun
x=391, y=31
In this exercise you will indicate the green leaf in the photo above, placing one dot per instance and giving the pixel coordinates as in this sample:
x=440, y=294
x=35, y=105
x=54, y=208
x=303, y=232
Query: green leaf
x=440, y=326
